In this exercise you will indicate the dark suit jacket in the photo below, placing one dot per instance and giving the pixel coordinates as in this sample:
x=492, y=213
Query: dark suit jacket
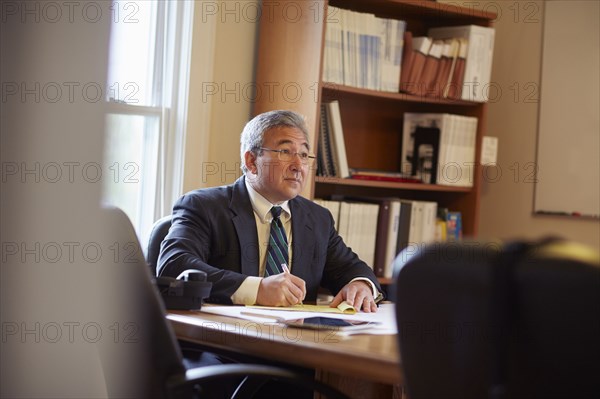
x=214, y=230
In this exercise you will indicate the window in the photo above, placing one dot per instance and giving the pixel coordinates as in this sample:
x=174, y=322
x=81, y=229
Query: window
x=147, y=104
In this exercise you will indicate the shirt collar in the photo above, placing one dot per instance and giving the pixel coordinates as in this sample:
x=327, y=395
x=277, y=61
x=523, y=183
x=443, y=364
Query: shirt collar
x=262, y=207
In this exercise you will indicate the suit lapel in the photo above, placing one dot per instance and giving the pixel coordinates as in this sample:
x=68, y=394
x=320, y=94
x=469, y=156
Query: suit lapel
x=245, y=227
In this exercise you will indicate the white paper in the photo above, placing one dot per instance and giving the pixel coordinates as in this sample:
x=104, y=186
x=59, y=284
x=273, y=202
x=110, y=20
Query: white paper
x=489, y=150
x=385, y=316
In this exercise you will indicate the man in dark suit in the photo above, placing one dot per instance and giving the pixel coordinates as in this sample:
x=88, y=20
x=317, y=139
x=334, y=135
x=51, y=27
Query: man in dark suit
x=224, y=231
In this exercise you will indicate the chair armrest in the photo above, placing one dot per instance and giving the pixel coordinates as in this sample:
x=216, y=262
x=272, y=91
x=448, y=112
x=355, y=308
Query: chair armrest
x=256, y=376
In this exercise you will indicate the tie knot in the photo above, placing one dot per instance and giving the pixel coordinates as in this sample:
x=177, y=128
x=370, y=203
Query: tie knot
x=276, y=211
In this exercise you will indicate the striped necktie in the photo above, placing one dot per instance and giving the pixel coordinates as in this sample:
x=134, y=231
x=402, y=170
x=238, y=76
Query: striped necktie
x=277, y=254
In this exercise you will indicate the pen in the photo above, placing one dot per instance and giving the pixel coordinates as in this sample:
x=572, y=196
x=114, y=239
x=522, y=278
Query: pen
x=285, y=269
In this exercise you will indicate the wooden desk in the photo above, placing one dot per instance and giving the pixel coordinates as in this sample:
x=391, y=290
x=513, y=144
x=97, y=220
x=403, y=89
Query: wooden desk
x=368, y=361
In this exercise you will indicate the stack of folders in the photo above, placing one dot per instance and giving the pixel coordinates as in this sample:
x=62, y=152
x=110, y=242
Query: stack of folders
x=455, y=147
x=362, y=50
x=331, y=154
x=378, y=229
x=451, y=62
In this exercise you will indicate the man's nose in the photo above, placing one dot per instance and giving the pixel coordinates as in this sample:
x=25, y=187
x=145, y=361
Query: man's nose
x=296, y=161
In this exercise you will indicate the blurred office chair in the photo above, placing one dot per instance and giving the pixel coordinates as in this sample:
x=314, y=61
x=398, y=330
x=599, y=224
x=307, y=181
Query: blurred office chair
x=141, y=358
x=157, y=235
x=484, y=320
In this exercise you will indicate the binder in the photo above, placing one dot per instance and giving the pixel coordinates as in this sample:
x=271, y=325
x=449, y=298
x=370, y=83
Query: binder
x=478, y=62
x=430, y=68
x=407, y=56
x=454, y=88
x=404, y=223
x=421, y=46
x=447, y=61
x=387, y=235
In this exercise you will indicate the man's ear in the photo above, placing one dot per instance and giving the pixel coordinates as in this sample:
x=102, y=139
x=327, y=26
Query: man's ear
x=250, y=162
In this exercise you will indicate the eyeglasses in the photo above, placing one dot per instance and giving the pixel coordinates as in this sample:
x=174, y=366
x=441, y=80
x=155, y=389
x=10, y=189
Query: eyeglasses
x=288, y=156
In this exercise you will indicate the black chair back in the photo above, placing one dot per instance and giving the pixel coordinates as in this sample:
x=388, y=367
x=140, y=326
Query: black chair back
x=481, y=320
x=157, y=235
x=141, y=354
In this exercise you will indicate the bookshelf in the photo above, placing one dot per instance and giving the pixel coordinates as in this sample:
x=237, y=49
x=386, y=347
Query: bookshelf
x=291, y=53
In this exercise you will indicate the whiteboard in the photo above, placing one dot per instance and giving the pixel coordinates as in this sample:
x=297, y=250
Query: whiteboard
x=568, y=152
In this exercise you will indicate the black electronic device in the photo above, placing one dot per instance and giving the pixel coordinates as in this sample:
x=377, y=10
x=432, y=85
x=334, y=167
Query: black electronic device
x=329, y=323
x=184, y=293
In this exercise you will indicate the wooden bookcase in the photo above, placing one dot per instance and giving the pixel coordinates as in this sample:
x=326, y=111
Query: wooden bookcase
x=289, y=60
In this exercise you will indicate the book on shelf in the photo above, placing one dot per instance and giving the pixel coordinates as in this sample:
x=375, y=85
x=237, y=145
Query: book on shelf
x=369, y=47
x=337, y=133
x=385, y=249
x=429, y=222
x=478, y=61
x=448, y=162
x=393, y=44
x=449, y=225
x=348, y=54
x=325, y=163
x=441, y=227
x=320, y=145
x=453, y=226
x=333, y=62
x=358, y=228
x=379, y=228
x=363, y=50
x=417, y=224
x=441, y=230
x=333, y=207
x=331, y=154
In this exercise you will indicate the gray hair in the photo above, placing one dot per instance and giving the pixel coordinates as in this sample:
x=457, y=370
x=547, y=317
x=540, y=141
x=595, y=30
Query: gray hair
x=254, y=132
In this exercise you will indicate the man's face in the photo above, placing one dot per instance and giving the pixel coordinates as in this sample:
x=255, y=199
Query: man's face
x=274, y=179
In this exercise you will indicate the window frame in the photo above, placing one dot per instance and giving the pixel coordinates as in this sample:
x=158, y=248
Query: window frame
x=169, y=102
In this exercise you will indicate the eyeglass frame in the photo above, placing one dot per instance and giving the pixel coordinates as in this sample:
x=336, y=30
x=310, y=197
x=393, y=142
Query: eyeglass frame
x=304, y=159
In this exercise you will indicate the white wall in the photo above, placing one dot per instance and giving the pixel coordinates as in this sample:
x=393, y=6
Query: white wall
x=220, y=103
x=507, y=201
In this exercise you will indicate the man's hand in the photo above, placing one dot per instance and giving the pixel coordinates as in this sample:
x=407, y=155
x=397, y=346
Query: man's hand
x=282, y=289
x=357, y=293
